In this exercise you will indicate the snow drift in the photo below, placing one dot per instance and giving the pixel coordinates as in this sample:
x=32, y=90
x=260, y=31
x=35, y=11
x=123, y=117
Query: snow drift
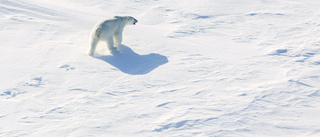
x=189, y=68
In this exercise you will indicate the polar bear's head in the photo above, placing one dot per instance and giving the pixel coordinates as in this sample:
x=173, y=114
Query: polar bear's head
x=128, y=20
x=131, y=20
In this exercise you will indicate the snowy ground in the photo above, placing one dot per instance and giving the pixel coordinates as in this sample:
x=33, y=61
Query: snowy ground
x=224, y=68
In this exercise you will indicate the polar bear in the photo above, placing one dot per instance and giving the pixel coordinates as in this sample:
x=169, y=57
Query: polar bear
x=110, y=31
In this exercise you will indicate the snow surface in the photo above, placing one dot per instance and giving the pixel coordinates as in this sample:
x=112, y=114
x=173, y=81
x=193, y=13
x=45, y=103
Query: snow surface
x=225, y=68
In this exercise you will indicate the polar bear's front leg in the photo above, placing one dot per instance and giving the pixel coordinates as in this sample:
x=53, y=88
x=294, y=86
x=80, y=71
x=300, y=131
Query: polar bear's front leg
x=110, y=45
x=117, y=39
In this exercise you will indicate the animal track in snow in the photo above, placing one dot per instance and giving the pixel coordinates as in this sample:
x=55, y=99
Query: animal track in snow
x=10, y=93
x=35, y=82
x=67, y=67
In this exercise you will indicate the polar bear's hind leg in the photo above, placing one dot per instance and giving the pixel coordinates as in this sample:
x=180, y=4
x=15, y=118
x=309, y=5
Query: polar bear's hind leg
x=94, y=42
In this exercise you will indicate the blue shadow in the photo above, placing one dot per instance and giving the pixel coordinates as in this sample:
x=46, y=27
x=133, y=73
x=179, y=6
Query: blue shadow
x=127, y=61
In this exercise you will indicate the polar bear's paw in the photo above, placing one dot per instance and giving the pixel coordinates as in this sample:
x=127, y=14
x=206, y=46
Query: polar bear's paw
x=90, y=53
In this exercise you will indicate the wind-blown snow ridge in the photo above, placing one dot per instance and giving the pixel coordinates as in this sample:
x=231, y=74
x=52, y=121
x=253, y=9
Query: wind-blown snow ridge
x=188, y=68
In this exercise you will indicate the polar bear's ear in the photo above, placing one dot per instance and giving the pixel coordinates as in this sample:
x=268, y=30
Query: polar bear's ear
x=119, y=18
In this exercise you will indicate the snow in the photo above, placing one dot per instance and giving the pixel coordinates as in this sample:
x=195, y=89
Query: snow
x=188, y=68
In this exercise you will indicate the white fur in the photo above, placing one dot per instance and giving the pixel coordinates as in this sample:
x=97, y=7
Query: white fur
x=110, y=31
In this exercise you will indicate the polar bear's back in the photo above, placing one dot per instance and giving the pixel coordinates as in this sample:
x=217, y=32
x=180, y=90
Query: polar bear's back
x=108, y=23
x=105, y=27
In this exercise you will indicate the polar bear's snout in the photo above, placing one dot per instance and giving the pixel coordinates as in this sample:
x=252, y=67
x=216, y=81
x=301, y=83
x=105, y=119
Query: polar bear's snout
x=135, y=21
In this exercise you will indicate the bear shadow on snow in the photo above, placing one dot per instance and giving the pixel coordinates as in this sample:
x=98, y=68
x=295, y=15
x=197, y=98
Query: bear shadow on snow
x=126, y=60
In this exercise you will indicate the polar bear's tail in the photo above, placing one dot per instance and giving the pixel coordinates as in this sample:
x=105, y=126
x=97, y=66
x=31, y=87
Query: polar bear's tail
x=97, y=33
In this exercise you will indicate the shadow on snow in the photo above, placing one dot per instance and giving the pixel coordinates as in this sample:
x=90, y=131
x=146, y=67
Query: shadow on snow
x=132, y=63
